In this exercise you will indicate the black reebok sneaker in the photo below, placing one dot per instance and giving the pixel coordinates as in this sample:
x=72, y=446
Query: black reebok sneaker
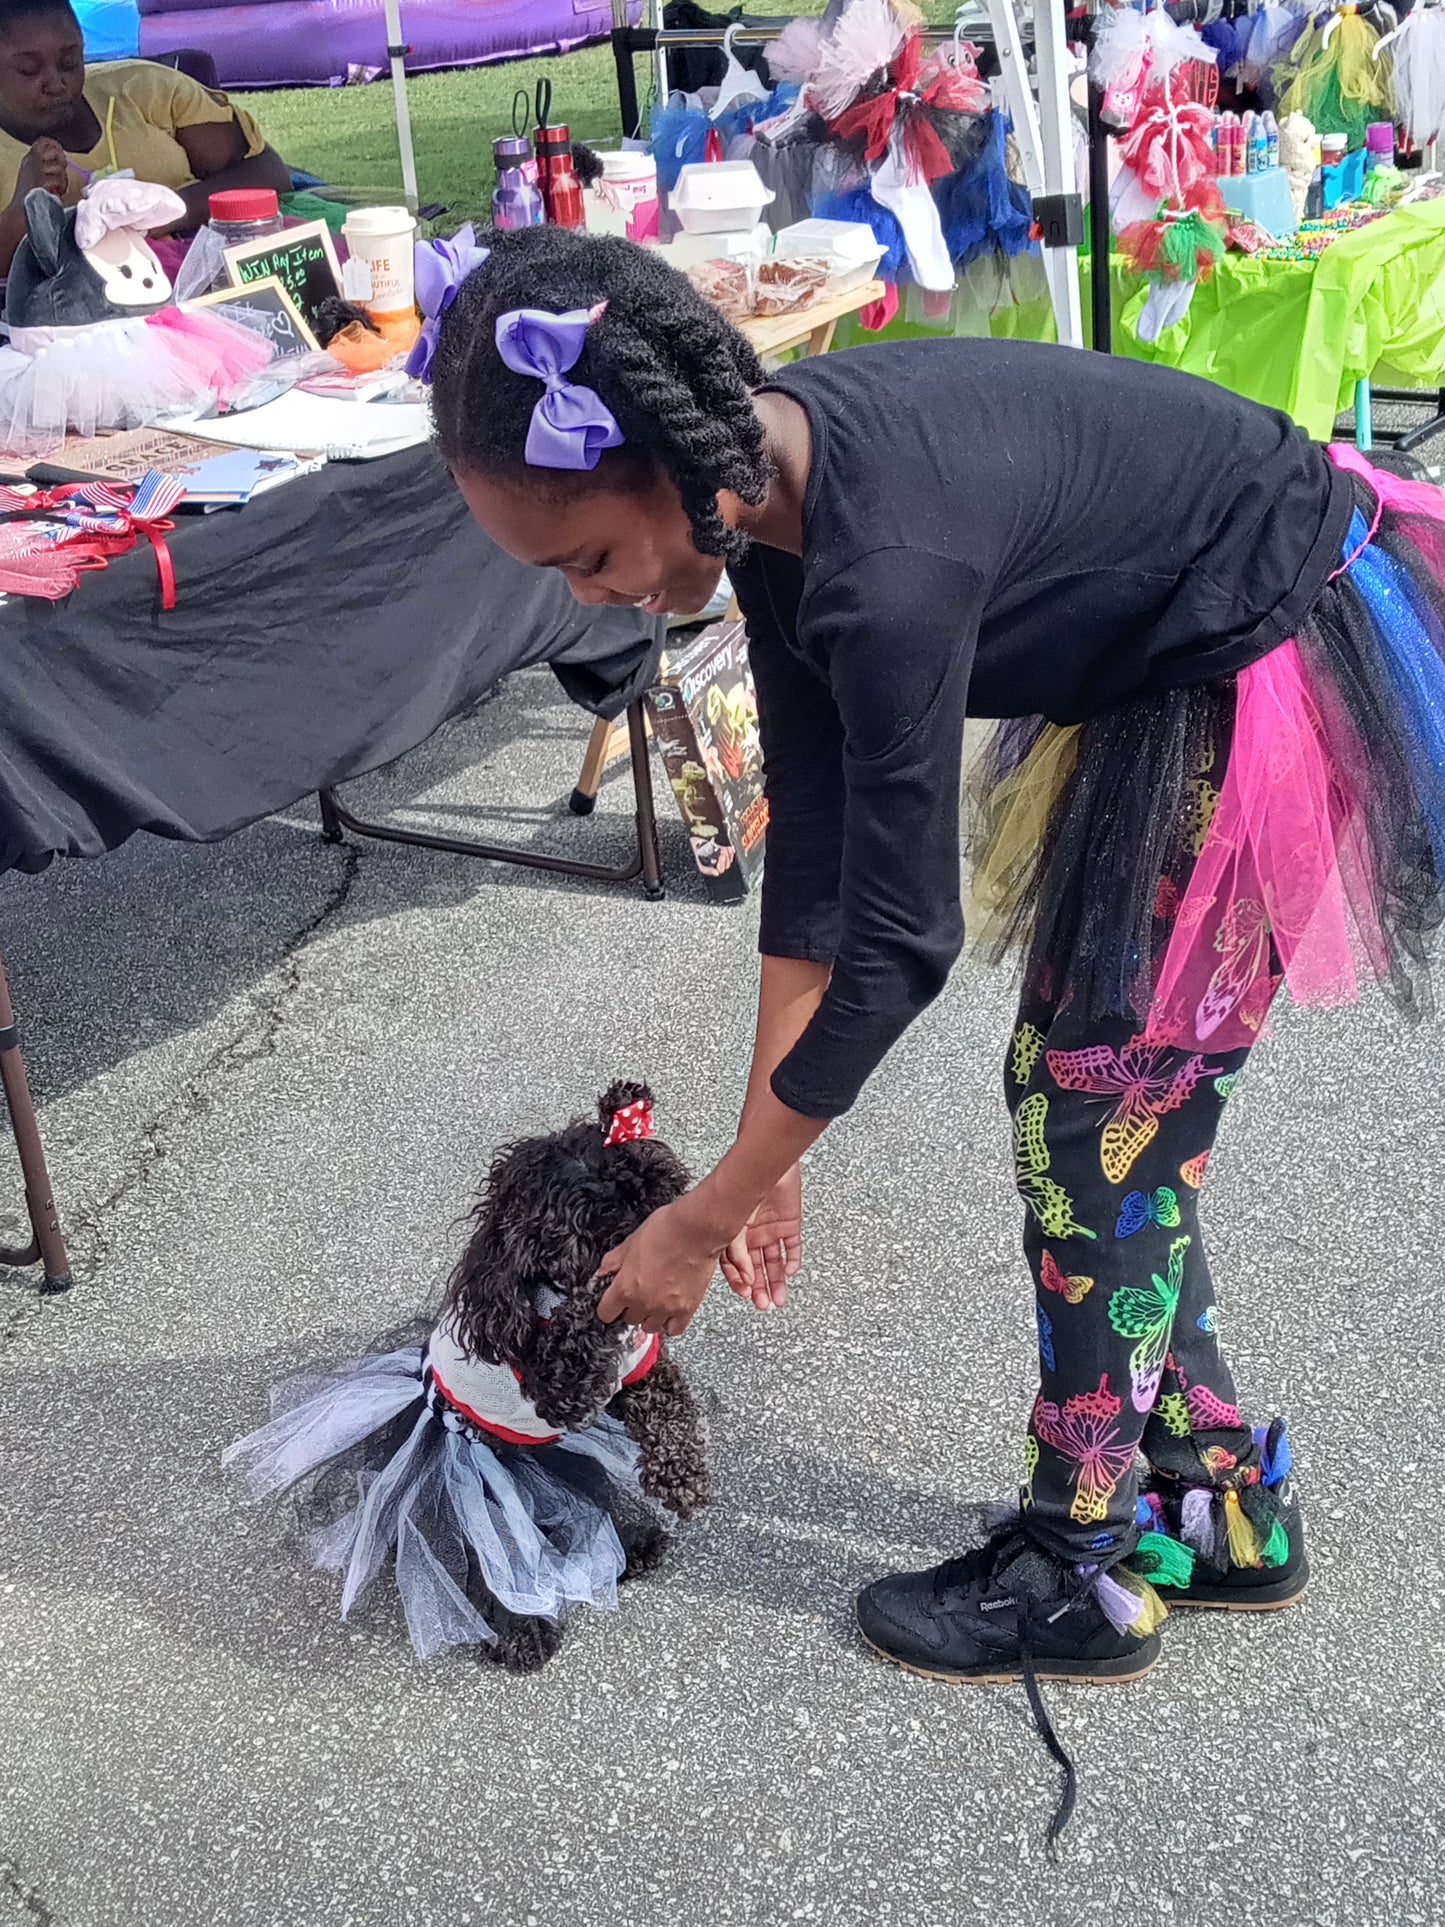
x=1004, y=1611
x=1235, y=1551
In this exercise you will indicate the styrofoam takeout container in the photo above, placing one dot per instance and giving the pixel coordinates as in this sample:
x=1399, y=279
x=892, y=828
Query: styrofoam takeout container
x=849, y=250
x=715, y=197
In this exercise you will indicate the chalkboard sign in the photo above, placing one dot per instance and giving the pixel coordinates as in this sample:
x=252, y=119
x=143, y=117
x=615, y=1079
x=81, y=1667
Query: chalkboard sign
x=270, y=312
x=302, y=259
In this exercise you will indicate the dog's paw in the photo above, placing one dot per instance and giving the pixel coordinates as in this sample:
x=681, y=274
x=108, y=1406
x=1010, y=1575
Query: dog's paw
x=646, y=1552
x=525, y=1646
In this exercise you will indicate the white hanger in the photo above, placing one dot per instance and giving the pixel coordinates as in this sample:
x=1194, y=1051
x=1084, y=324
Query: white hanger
x=738, y=82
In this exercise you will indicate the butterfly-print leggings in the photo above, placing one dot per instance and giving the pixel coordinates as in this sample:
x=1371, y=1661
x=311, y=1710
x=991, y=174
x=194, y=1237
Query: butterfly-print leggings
x=1111, y=1140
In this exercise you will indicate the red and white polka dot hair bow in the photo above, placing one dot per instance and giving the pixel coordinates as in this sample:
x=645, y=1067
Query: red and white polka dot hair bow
x=630, y=1123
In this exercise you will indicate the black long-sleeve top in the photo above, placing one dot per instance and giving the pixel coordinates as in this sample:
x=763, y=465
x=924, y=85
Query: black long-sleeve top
x=989, y=529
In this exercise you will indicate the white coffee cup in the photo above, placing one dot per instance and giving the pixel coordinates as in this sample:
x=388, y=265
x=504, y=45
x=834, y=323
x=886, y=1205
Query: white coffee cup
x=383, y=237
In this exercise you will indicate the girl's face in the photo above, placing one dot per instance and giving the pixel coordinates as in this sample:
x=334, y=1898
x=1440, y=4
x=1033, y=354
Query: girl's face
x=630, y=548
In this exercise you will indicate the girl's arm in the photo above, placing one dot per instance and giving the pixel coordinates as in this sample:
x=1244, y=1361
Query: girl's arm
x=660, y=1273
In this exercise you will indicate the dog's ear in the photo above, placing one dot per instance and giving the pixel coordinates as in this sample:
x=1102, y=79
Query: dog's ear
x=488, y=1295
x=575, y=1365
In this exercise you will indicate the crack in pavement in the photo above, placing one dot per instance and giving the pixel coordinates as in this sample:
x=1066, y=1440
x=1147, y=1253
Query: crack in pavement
x=36, y=1909
x=90, y=1232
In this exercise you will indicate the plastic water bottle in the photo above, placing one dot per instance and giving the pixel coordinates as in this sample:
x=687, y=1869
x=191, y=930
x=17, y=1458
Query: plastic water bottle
x=1271, y=134
x=516, y=203
x=1258, y=148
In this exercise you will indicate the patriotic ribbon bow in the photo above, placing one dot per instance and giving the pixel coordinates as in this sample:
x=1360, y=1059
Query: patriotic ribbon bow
x=873, y=119
x=98, y=520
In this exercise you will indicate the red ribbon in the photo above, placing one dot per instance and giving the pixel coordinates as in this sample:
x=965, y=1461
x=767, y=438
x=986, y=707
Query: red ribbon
x=87, y=544
x=874, y=118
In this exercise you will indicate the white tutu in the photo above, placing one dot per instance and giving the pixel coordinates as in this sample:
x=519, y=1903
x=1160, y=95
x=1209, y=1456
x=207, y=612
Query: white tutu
x=119, y=374
x=1419, y=53
x=431, y=1494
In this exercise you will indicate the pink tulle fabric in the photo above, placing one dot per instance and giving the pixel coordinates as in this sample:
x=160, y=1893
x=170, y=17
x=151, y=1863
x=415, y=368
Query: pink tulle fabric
x=1282, y=882
x=1283, y=887
x=1420, y=501
x=214, y=353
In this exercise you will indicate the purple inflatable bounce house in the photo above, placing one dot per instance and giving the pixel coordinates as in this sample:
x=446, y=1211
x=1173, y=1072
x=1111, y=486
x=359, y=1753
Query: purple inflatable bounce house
x=297, y=43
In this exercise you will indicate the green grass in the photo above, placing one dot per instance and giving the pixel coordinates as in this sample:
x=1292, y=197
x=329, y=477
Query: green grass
x=347, y=135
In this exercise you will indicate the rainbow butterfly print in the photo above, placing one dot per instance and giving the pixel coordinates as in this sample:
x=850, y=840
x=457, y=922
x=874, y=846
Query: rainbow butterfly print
x=1208, y=1321
x=1193, y=1169
x=1144, y=1083
x=1172, y=1408
x=1049, y=1202
x=1146, y=1312
x=1052, y=1276
x=1241, y=985
x=1028, y=1042
x=1138, y=1209
x=1084, y=1432
x=1046, y=1338
x=1225, y=1085
x=1208, y=1412
x=1031, y=1465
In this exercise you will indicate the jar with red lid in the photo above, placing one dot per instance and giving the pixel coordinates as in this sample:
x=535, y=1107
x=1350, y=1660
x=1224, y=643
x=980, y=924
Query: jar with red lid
x=244, y=214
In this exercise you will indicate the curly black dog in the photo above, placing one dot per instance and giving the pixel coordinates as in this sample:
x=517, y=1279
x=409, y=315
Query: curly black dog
x=550, y=1211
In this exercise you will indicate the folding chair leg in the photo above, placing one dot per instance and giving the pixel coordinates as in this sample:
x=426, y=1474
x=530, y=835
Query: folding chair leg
x=47, y=1244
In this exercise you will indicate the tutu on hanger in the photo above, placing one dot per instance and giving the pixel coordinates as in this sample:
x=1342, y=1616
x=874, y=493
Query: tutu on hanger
x=1418, y=51
x=980, y=207
x=1330, y=75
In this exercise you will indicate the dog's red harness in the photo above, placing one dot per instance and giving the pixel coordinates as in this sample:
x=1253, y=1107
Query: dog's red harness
x=468, y=1393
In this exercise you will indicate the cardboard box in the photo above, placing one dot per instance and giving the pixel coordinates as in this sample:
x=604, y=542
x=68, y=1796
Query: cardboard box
x=705, y=720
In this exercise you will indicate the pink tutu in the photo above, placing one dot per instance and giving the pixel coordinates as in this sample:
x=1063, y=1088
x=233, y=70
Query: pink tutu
x=1287, y=887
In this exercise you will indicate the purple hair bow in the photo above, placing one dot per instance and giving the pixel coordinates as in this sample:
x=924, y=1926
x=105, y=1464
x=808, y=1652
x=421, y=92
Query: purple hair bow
x=441, y=267
x=571, y=425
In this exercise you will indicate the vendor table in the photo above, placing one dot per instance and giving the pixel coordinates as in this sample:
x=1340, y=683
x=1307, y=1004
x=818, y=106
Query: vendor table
x=811, y=328
x=1299, y=335
x=320, y=632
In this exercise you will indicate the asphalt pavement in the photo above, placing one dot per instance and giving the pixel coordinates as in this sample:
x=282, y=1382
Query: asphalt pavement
x=269, y=1075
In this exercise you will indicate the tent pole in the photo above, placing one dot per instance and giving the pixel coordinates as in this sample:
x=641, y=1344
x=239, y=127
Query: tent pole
x=396, y=52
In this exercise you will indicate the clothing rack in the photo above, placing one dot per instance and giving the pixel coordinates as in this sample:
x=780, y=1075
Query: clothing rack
x=1043, y=131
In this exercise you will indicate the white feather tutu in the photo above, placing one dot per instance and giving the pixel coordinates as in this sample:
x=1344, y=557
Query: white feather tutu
x=119, y=374
x=440, y=1502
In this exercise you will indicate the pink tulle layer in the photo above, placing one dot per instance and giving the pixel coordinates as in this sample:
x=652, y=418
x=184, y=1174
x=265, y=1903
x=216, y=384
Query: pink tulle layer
x=1283, y=888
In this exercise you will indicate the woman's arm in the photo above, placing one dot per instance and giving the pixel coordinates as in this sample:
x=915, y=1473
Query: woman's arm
x=216, y=151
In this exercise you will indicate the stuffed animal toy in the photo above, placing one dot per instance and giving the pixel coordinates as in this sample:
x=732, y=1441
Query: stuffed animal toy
x=523, y=1457
x=94, y=340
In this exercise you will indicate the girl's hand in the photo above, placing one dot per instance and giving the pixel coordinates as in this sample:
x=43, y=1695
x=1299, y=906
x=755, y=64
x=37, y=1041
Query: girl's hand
x=768, y=1251
x=661, y=1273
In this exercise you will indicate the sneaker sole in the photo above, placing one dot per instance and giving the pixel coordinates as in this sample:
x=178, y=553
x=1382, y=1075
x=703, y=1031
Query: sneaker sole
x=1240, y=1603
x=1134, y=1670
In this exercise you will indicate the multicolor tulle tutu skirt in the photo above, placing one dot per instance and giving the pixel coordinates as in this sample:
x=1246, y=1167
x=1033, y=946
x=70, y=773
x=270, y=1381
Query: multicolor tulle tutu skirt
x=1179, y=858
x=390, y=1475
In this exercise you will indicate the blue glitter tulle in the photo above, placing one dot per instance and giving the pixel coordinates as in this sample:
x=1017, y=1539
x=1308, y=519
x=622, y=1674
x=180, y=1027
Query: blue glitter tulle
x=1413, y=646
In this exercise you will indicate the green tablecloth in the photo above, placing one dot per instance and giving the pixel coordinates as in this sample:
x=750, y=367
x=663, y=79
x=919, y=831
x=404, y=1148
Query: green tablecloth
x=1298, y=335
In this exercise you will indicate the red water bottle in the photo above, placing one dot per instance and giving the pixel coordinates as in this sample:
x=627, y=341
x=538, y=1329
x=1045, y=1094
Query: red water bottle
x=549, y=142
x=564, y=191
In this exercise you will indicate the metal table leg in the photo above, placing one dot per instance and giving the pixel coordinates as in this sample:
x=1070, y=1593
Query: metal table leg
x=646, y=863
x=47, y=1245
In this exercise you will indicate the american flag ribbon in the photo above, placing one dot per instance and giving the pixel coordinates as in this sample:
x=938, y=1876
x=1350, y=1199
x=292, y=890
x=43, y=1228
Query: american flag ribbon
x=96, y=519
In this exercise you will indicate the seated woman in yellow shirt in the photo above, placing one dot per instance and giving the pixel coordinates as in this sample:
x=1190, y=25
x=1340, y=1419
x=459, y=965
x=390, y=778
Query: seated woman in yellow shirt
x=61, y=122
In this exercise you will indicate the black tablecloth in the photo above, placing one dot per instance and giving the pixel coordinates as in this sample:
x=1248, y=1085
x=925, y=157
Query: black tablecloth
x=322, y=630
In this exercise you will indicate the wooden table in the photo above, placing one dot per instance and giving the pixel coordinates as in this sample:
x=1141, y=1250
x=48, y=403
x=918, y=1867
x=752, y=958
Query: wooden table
x=811, y=328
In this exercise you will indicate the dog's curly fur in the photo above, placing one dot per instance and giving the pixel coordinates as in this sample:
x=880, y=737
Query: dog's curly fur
x=552, y=1208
